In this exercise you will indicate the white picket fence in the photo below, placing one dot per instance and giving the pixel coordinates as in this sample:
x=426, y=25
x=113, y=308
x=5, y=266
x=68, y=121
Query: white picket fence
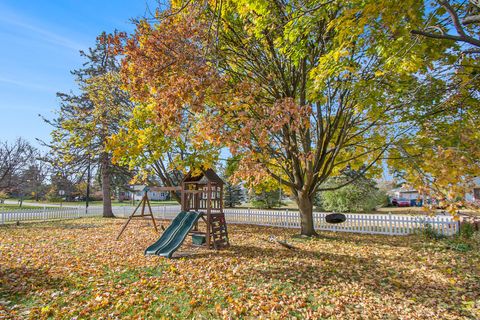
x=388, y=224
x=44, y=214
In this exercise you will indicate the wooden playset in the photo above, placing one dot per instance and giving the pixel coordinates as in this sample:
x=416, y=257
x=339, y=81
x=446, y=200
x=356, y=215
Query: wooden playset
x=204, y=193
x=201, y=195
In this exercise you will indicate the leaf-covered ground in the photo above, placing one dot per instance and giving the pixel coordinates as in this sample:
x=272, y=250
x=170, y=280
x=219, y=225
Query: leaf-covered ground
x=75, y=269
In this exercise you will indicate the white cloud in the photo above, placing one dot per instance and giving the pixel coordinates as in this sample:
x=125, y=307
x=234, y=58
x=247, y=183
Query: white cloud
x=34, y=86
x=12, y=19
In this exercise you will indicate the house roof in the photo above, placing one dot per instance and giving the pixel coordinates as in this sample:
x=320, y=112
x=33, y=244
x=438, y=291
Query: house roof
x=203, y=177
x=403, y=190
x=138, y=187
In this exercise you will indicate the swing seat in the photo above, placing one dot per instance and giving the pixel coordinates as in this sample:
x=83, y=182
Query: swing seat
x=335, y=218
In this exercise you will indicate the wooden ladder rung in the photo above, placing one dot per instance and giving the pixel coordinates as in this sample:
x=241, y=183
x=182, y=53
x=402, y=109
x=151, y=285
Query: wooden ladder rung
x=219, y=234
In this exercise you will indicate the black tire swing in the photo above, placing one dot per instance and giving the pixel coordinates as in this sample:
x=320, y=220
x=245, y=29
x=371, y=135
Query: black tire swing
x=335, y=218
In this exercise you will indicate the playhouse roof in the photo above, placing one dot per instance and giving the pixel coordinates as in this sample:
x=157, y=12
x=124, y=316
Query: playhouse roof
x=203, y=177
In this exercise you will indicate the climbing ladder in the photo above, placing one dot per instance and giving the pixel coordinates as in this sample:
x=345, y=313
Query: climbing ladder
x=218, y=234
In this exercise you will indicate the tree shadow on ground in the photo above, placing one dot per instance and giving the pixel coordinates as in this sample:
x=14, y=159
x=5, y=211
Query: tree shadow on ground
x=312, y=270
x=18, y=284
x=347, y=237
x=363, y=239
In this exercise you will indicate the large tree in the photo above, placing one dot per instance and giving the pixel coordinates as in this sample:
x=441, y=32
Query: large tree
x=441, y=156
x=89, y=116
x=296, y=89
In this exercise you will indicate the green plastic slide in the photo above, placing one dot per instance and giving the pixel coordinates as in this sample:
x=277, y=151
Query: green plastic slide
x=168, y=233
x=173, y=237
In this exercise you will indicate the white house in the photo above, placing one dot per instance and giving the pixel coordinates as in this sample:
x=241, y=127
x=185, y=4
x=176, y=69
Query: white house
x=473, y=195
x=404, y=193
x=152, y=195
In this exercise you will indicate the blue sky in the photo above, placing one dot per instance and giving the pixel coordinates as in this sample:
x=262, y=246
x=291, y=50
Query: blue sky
x=39, y=44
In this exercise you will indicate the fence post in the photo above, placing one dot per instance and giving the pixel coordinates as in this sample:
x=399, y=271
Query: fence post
x=391, y=223
x=164, y=212
x=285, y=223
x=3, y=218
x=44, y=212
x=78, y=212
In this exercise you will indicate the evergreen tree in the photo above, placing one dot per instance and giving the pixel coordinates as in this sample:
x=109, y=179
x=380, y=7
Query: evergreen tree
x=232, y=195
x=232, y=191
x=88, y=118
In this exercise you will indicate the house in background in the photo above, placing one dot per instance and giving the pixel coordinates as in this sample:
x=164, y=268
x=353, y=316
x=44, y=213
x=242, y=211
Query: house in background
x=473, y=195
x=408, y=194
x=152, y=195
x=405, y=197
x=124, y=195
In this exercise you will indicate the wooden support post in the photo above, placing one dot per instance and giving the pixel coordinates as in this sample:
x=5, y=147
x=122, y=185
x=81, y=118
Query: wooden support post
x=144, y=202
x=128, y=221
x=221, y=200
x=151, y=213
x=182, y=198
x=209, y=218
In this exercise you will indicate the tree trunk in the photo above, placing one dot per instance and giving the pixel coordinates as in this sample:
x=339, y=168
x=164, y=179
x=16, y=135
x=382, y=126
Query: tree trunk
x=106, y=189
x=305, y=206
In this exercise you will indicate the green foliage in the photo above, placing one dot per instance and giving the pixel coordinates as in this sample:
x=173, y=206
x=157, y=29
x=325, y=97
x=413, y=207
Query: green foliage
x=232, y=195
x=360, y=196
x=232, y=166
x=458, y=245
x=233, y=192
x=466, y=230
x=429, y=233
x=264, y=199
x=466, y=240
x=440, y=155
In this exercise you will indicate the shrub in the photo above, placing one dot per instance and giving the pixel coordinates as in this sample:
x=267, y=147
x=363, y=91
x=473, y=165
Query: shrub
x=267, y=199
x=459, y=245
x=466, y=230
x=466, y=240
x=351, y=198
x=429, y=233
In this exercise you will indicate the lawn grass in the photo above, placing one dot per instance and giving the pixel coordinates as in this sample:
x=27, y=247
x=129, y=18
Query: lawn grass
x=75, y=269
